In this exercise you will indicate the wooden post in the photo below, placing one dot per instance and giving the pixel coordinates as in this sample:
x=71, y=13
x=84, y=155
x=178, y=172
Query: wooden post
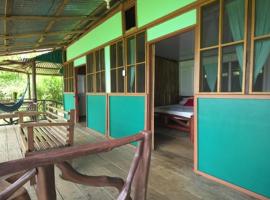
x=141, y=176
x=34, y=83
x=46, y=183
x=29, y=87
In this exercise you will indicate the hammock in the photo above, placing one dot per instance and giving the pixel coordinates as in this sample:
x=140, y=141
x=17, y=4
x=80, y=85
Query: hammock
x=17, y=105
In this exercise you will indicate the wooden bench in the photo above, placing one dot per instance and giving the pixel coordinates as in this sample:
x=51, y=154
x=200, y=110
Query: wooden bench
x=49, y=130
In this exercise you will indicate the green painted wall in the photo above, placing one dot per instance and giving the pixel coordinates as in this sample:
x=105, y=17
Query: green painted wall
x=80, y=61
x=126, y=115
x=175, y=24
x=69, y=102
x=105, y=32
x=234, y=141
x=96, y=112
x=150, y=10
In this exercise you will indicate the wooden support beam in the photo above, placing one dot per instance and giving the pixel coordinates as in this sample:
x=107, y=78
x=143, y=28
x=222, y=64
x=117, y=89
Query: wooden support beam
x=29, y=87
x=34, y=83
x=56, y=18
x=33, y=34
x=8, y=10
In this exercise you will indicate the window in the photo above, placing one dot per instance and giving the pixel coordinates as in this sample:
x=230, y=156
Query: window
x=135, y=63
x=222, y=46
x=261, y=46
x=130, y=18
x=95, y=71
x=68, y=78
x=117, y=67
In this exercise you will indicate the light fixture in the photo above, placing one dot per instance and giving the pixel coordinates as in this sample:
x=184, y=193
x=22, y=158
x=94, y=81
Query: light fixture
x=108, y=3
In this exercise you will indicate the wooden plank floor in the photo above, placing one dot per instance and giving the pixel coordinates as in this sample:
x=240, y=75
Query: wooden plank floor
x=171, y=176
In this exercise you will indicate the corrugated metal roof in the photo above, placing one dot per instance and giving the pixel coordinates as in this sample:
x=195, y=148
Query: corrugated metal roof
x=39, y=24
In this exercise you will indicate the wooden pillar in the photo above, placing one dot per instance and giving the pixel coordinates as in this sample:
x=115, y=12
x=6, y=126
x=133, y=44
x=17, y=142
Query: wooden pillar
x=46, y=183
x=29, y=87
x=34, y=83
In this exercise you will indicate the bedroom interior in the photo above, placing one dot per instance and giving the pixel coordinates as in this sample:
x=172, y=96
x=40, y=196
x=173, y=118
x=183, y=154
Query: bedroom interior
x=173, y=98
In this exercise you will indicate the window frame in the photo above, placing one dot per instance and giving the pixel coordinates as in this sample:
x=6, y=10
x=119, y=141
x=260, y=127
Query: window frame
x=220, y=47
x=68, y=78
x=95, y=73
x=135, y=64
x=117, y=66
x=254, y=38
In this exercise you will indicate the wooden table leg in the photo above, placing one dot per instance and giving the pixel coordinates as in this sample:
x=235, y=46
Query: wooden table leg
x=46, y=183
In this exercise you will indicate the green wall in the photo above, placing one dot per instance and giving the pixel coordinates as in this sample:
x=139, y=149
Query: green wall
x=80, y=61
x=96, y=113
x=150, y=10
x=105, y=32
x=69, y=102
x=234, y=141
x=175, y=24
x=126, y=115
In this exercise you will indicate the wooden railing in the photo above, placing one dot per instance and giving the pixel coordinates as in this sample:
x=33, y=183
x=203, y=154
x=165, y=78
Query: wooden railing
x=42, y=164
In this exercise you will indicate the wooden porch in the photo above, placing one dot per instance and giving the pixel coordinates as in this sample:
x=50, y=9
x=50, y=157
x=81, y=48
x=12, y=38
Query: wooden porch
x=171, y=175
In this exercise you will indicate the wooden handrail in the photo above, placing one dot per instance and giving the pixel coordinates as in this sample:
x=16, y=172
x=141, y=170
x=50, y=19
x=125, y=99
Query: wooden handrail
x=38, y=124
x=8, y=192
x=37, y=159
x=44, y=162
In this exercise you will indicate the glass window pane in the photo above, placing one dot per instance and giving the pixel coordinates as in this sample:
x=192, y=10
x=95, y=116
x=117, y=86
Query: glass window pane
x=113, y=80
x=140, y=45
x=130, y=18
x=98, y=79
x=209, y=68
x=102, y=59
x=97, y=59
x=90, y=83
x=140, y=78
x=232, y=62
x=131, y=51
x=262, y=16
x=210, y=24
x=90, y=63
x=261, y=72
x=102, y=82
x=120, y=80
x=71, y=85
x=234, y=20
x=120, y=54
x=131, y=79
x=113, y=56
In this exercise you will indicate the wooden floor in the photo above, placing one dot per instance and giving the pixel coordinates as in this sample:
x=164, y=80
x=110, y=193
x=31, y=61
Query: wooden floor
x=171, y=176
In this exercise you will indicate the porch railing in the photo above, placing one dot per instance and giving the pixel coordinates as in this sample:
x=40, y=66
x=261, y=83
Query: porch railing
x=41, y=165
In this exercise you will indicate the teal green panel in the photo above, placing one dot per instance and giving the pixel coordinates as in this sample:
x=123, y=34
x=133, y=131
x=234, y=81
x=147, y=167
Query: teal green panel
x=126, y=115
x=150, y=10
x=175, y=24
x=234, y=141
x=96, y=113
x=108, y=69
x=105, y=32
x=80, y=61
x=69, y=102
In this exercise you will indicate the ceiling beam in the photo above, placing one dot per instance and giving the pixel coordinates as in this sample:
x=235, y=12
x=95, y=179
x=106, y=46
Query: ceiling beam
x=56, y=18
x=52, y=22
x=27, y=35
x=26, y=51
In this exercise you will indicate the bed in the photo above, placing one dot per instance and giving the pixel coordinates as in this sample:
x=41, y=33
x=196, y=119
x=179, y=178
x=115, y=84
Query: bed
x=176, y=116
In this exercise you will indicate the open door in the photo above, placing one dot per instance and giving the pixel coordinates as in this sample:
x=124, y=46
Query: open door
x=80, y=93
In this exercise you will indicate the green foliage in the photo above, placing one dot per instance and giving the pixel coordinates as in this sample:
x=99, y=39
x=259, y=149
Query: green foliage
x=50, y=88
x=11, y=82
